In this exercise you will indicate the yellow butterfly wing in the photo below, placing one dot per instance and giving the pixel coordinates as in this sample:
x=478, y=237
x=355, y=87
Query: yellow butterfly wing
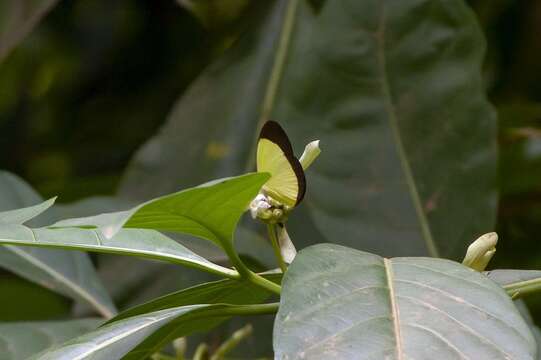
x=275, y=156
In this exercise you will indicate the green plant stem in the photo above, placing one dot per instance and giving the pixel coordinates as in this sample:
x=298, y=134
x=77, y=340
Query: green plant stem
x=523, y=288
x=231, y=343
x=276, y=247
x=248, y=274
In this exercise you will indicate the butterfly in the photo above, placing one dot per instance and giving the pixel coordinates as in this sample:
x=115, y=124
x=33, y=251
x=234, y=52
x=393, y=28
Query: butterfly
x=287, y=184
x=283, y=191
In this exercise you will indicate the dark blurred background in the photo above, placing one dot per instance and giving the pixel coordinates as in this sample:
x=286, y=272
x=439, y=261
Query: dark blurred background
x=97, y=78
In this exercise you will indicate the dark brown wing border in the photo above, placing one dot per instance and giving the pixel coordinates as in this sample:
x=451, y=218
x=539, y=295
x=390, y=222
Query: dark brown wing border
x=272, y=131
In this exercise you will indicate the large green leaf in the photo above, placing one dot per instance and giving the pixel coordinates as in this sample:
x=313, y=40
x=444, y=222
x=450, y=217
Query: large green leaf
x=210, y=211
x=340, y=303
x=69, y=273
x=17, y=18
x=134, y=242
x=409, y=139
x=394, y=92
x=20, y=340
x=145, y=334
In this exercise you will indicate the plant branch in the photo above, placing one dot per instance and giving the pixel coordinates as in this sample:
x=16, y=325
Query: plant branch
x=276, y=247
x=522, y=288
x=248, y=274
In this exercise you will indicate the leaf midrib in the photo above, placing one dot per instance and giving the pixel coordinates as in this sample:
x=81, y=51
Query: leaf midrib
x=394, y=307
x=393, y=122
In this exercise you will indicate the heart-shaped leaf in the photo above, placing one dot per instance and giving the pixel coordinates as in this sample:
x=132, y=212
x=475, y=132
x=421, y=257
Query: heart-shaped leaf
x=340, y=303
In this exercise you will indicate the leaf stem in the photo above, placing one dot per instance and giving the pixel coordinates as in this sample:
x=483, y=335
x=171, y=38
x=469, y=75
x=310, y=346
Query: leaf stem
x=276, y=247
x=522, y=288
x=248, y=274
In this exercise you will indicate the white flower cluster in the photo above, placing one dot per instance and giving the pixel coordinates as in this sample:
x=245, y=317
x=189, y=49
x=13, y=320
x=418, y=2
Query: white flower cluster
x=265, y=208
x=259, y=206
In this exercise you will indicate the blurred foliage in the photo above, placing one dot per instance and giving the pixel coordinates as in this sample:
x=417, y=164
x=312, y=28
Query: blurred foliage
x=67, y=93
x=19, y=299
x=97, y=78
x=513, y=74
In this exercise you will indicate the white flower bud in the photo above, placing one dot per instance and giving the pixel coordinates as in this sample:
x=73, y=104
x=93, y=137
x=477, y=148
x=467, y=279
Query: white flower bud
x=311, y=152
x=481, y=251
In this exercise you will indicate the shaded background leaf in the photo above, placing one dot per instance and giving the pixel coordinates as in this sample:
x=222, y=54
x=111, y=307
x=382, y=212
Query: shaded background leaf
x=17, y=18
x=69, y=273
x=20, y=340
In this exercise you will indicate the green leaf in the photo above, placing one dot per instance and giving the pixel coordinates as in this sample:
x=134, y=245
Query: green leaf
x=223, y=291
x=140, y=336
x=17, y=18
x=69, y=273
x=342, y=303
x=134, y=242
x=20, y=340
x=210, y=211
x=394, y=92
